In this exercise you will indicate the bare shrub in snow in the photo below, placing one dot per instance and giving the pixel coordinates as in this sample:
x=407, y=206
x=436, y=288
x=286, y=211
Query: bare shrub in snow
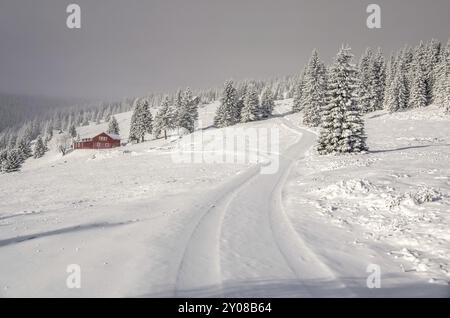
x=64, y=142
x=425, y=194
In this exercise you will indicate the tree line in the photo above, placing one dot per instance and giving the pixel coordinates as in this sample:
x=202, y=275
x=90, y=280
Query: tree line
x=333, y=97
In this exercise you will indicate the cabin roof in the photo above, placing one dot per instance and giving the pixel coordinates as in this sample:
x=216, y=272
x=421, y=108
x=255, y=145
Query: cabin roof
x=113, y=136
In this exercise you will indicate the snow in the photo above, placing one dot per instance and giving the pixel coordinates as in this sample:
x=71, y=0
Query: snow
x=140, y=224
x=392, y=204
x=114, y=136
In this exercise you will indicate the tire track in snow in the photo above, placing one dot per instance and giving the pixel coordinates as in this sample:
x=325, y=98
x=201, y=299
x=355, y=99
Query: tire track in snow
x=246, y=236
x=301, y=259
x=200, y=263
x=288, y=239
x=259, y=247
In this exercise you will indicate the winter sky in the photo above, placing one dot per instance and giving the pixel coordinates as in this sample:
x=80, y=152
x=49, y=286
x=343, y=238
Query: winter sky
x=132, y=47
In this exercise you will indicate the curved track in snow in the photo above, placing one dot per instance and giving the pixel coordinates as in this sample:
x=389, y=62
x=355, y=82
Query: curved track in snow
x=245, y=245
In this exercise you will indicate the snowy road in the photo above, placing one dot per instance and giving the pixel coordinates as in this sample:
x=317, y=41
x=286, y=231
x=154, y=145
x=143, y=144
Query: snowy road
x=245, y=241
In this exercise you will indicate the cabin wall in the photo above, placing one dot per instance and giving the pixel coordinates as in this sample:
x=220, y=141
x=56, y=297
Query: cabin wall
x=102, y=141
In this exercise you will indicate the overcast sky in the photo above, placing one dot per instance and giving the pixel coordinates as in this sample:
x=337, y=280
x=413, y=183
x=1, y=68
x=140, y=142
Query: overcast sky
x=132, y=47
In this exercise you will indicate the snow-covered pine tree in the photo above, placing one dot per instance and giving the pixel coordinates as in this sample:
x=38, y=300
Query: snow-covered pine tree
x=406, y=60
x=12, y=142
x=164, y=119
x=241, y=93
x=389, y=95
x=47, y=130
x=342, y=128
x=313, y=91
x=267, y=103
x=250, y=110
x=24, y=148
x=39, y=148
x=365, y=80
x=419, y=95
x=134, y=129
x=72, y=131
x=107, y=114
x=191, y=103
x=390, y=70
x=141, y=121
x=278, y=92
x=377, y=75
x=3, y=157
x=187, y=113
x=113, y=126
x=397, y=93
x=177, y=103
x=442, y=84
x=13, y=161
x=146, y=119
x=227, y=112
x=433, y=57
x=298, y=92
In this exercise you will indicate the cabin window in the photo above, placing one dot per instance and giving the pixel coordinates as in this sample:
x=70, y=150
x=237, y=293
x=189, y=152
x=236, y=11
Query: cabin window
x=106, y=144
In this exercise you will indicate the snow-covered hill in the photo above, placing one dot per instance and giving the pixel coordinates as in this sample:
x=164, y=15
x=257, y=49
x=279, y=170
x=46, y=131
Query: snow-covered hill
x=140, y=224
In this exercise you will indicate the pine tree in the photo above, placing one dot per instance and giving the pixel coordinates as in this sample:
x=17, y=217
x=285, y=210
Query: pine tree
x=227, y=113
x=141, y=121
x=241, y=93
x=397, y=93
x=24, y=148
x=267, y=103
x=3, y=157
x=188, y=111
x=342, y=129
x=406, y=61
x=298, y=93
x=365, y=81
x=164, y=119
x=13, y=161
x=442, y=85
x=433, y=58
x=49, y=132
x=113, y=126
x=135, y=134
x=377, y=81
x=39, y=148
x=419, y=95
x=250, y=110
x=146, y=119
x=314, y=91
x=12, y=142
x=191, y=103
x=72, y=131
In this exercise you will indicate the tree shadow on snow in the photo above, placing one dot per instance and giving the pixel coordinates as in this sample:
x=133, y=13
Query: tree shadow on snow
x=19, y=215
x=77, y=228
x=408, y=147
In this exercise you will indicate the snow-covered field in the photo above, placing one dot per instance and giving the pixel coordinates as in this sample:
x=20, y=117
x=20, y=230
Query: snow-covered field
x=390, y=207
x=140, y=224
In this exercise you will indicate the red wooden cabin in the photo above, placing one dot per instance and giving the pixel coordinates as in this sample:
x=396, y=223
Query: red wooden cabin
x=101, y=141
